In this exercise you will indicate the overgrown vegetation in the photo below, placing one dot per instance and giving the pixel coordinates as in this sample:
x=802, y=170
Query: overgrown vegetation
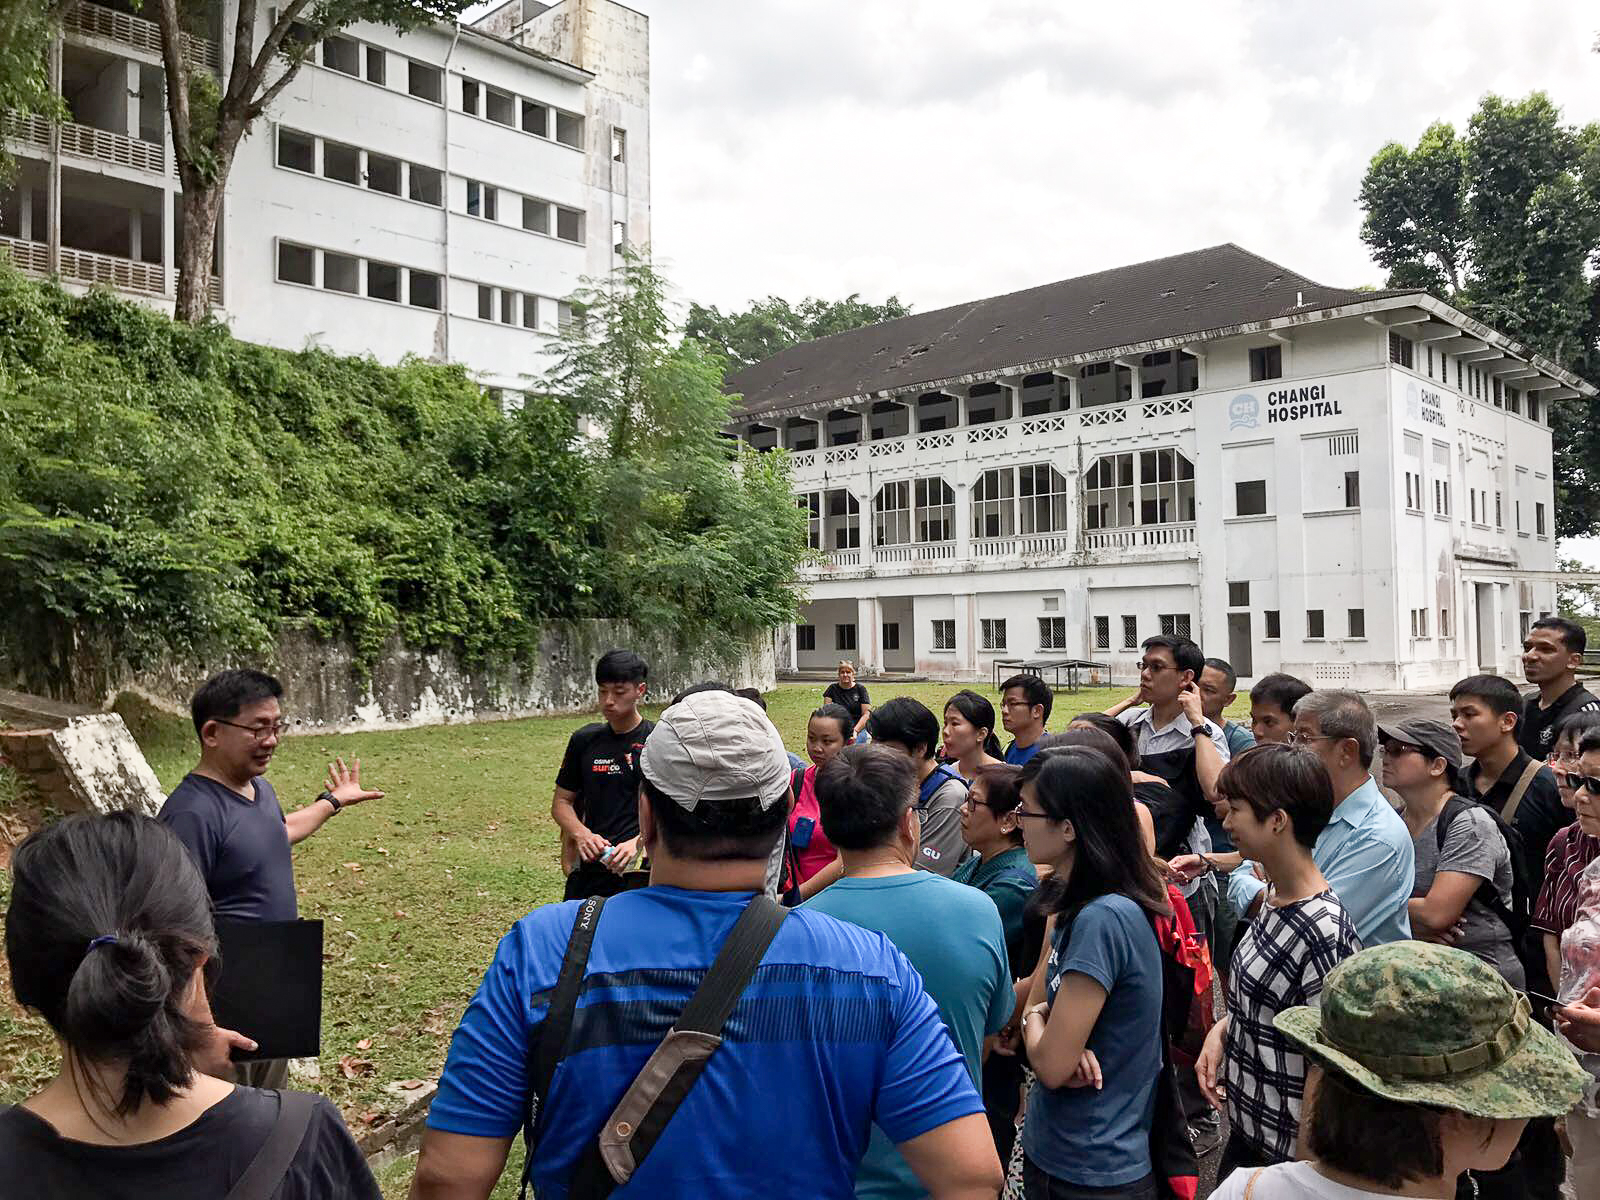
x=166, y=489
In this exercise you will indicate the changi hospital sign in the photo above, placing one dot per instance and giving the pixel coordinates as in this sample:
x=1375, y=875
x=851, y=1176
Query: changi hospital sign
x=1281, y=405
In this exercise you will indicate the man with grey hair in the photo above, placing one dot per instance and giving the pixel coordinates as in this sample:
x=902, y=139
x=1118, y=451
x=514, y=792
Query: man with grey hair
x=825, y=1015
x=1365, y=853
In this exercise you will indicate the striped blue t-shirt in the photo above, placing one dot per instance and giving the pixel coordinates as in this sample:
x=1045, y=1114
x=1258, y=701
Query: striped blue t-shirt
x=834, y=1033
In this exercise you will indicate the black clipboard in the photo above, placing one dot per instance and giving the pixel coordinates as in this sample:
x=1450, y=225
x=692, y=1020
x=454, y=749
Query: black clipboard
x=270, y=987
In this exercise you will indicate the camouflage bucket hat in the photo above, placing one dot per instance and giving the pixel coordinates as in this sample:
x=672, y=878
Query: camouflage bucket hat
x=1426, y=1024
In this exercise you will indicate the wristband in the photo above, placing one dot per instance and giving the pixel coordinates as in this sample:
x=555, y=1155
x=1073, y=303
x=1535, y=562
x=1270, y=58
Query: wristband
x=331, y=799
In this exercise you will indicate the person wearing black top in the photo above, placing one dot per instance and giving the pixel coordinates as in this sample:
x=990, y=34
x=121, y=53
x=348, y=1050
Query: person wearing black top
x=108, y=935
x=596, y=799
x=851, y=695
x=1551, y=655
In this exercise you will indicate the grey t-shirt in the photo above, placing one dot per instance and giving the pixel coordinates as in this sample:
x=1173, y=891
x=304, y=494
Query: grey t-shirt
x=1473, y=845
x=943, y=847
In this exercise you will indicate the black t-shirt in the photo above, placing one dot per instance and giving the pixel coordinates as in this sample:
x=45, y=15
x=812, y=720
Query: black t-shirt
x=851, y=697
x=1169, y=812
x=1539, y=817
x=241, y=847
x=201, y=1162
x=1536, y=732
x=602, y=767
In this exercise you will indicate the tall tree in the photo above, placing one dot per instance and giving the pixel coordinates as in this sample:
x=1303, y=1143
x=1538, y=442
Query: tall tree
x=696, y=532
x=751, y=335
x=1504, y=223
x=210, y=117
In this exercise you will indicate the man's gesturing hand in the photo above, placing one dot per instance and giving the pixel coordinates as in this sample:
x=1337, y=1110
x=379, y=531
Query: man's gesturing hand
x=345, y=783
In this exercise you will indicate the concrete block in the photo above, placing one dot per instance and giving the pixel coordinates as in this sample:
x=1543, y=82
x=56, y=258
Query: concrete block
x=92, y=764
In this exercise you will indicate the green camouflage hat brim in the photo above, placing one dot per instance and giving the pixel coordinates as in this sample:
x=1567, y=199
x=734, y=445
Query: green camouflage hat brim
x=1540, y=1078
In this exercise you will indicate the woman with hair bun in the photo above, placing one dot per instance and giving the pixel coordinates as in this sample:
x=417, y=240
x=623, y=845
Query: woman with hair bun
x=108, y=936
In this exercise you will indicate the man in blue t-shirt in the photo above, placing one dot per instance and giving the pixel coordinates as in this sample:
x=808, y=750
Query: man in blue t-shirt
x=1025, y=702
x=833, y=1034
x=228, y=816
x=950, y=932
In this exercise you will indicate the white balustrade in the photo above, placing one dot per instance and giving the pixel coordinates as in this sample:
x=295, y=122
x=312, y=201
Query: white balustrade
x=841, y=454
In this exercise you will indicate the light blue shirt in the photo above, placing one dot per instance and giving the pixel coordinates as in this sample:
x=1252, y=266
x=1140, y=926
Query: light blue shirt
x=1367, y=858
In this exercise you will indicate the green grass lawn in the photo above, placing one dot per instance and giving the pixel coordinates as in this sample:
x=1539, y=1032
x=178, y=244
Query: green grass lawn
x=416, y=888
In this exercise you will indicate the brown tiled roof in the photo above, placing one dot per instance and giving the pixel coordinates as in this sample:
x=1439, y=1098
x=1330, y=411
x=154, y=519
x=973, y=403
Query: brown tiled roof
x=1186, y=294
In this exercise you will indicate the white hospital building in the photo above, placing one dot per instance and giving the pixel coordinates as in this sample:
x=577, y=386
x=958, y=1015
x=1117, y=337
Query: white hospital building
x=1354, y=487
x=439, y=193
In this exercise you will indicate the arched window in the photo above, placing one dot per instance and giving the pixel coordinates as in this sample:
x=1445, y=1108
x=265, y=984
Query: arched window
x=1041, y=499
x=935, y=510
x=891, y=514
x=994, y=504
x=913, y=510
x=1146, y=487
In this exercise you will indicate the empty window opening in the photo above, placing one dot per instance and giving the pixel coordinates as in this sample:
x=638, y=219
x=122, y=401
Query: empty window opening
x=341, y=162
x=535, y=119
x=341, y=273
x=383, y=281
x=1266, y=362
x=424, y=82
x=297, y=151
x=342, y=55
x=569, y=129
x=426, y=185
x=383, y=174
x=297, y=264
x=424, y=291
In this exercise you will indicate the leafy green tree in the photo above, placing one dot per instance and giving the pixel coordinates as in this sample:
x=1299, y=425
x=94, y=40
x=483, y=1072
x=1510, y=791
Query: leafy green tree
x=692, y=531
x=27, y=27
x=211, y=117
x=1504, y=223
x=756, y=333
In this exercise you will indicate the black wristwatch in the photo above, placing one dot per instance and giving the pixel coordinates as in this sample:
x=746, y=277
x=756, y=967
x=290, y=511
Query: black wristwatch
x=1196, y=730
x=331, y=799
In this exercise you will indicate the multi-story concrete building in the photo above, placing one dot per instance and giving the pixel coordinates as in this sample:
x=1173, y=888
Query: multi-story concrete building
x=439, y=193
x=1351, y=486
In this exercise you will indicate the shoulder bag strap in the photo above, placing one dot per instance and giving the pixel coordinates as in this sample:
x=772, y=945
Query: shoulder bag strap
x=557, y=1027
x=1250, y=1188
x=1521, y=790
x=271, y=1163
x=639, y=1118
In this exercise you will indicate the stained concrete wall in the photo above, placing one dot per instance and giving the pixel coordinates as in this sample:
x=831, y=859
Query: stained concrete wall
x=325, y=688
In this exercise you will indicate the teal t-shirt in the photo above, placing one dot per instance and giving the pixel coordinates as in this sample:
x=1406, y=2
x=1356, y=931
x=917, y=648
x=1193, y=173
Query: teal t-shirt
x=1009, y=880
x=952, y=935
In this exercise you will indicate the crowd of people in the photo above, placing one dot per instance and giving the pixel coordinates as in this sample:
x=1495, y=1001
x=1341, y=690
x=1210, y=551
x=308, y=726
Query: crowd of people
x=915, y=961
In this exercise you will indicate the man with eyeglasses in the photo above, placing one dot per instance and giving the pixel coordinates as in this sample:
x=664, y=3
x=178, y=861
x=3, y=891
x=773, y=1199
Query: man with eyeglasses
x=1365, y=853
x=228, y=816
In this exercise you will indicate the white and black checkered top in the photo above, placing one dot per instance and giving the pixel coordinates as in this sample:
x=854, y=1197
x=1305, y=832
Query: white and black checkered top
x=1280, y=962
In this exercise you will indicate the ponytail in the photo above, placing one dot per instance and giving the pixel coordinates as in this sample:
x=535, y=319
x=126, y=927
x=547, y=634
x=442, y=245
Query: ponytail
x=109, y=920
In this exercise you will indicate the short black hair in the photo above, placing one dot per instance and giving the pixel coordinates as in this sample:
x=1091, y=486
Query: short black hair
x=1588, y=739
x=1119, y=733
x=1373, y=1138
x=1279, y=690
x=1225, y=668
x=1034, y=690
x=717, y=830
x=1575, y=727
x=620, y=666
x=840, y=714
x=1573, y=635
x=862, y=794
x=1272, y=778
x=1002, y=792
x=1185, y=653
x=906, y=722
x=226, y=693
x=1498, y=692
x=754, y=696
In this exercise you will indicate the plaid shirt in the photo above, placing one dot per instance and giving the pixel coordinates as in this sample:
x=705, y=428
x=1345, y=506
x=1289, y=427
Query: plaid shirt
x=1280, y=962
x=1570, y=852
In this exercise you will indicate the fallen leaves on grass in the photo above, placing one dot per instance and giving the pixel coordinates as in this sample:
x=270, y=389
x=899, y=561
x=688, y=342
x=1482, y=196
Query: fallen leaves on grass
x=352, y=866
x=364, y=1044
x=352, y=1067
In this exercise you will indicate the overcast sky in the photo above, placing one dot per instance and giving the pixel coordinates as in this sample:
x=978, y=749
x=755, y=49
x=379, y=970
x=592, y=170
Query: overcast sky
x=943, y=151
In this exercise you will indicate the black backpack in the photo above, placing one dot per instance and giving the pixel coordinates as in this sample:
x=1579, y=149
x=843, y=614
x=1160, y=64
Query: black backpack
x=1523, y=889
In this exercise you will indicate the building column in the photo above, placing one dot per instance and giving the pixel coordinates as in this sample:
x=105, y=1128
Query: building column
x=963, y=521
x=134, y=100
x=53, y=194
x=791, y=653
x=869, y=635
x=966, y=615
x=864, y=523
x=1072, y=388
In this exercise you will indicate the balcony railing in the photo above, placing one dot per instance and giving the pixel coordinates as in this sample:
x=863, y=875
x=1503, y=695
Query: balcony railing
x=1140, y=536
x=89, y=142
x=124, y=274
x=86, y=141
x=845, y=558
x=32, y=257
x=915, y=552
x=94, y=20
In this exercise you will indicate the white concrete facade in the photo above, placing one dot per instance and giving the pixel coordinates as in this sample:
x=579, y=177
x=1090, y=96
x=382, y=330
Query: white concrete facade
x=437, y=194
x=1295, y=498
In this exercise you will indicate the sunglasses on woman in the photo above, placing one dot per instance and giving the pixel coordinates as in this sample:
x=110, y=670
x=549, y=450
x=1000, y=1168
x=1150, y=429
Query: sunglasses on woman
x=1579, y=783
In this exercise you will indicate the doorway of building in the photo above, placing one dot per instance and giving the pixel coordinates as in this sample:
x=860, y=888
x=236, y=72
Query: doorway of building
x=1239, y=647
x=1483, y=602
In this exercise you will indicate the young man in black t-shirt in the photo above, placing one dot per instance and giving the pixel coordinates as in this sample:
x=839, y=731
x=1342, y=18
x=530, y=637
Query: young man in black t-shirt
x=597, y=789
x=1551, y=655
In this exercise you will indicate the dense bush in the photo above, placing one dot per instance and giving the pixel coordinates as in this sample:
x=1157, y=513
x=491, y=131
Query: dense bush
x=167, y=489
